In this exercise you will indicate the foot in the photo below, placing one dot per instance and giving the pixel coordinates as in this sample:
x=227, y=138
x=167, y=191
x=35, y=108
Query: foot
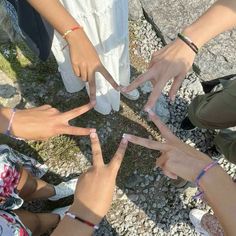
x=64, y=189
x=132, y=95
x=61, y=211
x=187, y=124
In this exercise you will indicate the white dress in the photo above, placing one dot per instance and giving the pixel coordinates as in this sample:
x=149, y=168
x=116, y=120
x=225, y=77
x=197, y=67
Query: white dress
x=106, y=25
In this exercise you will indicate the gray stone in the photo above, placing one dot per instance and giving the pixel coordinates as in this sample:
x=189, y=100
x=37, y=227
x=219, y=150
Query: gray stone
x=217, y=58
x=162, y=109
x=7, y=28
x=9, y=94
x=135, y=10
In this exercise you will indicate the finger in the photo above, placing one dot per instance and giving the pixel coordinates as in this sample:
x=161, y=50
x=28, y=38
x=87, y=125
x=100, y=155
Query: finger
x=108, y=77
x=92, y=87
x=165, y=131
x=170, y=174
x=77, y=131
x=150, y=144
x=176, y=85
x=96, y=150
x=69, y=115
x=140, y=80
x=161, y=161
x=156, y=93
x=42, y=108
x=84, y=72
x=77, y=70
x=119, y=155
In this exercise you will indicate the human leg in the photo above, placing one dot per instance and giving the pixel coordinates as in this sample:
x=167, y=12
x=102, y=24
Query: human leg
x=38, y=223
x=217, y=110
x=31, y=188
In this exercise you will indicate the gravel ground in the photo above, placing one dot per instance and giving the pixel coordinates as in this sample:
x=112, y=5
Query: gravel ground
x=145, y=202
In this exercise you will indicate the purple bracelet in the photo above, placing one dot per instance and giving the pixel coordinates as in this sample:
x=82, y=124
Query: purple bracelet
x=202, y=173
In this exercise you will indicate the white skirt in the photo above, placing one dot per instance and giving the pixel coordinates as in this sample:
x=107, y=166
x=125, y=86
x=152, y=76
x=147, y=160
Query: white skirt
x=106, y=25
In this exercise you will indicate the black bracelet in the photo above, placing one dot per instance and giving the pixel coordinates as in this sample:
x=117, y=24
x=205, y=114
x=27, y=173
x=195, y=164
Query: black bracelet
x=189, y=42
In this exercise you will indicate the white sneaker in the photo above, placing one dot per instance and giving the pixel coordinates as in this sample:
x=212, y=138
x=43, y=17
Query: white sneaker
x=132, y=95
x=195, y=217
x=61, y=211
x=64, y=189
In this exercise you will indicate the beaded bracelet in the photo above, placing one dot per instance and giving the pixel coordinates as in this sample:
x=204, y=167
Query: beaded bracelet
x=189, y=42
x=200, y=193
x=73, y=216
x=8, y=131
x=71, y=30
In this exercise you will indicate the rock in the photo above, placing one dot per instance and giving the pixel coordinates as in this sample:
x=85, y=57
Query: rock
x=133, y=181
x=9, y=93
x=8, y=25
x=162, y=109
x=217, y=58
x=135, y=10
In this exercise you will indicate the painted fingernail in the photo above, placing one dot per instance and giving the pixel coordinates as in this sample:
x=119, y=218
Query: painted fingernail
x=93, y=135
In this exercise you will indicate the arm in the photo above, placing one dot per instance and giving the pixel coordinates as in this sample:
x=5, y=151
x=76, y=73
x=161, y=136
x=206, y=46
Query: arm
x=176, y=59
x=42, y=122
x=179, y=159
x=93, y=195
x=84, y=58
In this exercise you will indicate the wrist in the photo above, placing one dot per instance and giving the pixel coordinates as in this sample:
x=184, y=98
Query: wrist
x=5, y=114
x=75, y=36
x=195, y=36
x=85, y=213
x=198, y=167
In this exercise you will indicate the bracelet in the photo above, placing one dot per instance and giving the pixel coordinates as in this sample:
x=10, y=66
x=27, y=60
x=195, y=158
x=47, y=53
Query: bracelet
x=71, y=215
x=189, y=42
x=71, y=30
x=8, y=131
x=200, y=175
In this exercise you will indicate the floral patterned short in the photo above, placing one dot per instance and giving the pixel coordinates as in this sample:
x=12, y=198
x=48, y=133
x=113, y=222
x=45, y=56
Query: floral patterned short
x=11, y=225
x=10, y=165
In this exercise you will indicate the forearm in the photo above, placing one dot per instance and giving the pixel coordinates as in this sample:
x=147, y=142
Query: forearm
x=220, y=17
x=55, y=14
x=72, y=227
x=220, y=192
x=5, y=114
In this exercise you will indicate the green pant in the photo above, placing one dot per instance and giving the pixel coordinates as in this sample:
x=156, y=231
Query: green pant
x=217, y=110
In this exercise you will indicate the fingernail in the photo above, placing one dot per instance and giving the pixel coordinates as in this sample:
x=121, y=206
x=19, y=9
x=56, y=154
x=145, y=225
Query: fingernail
x=124, y=141
x=123, y=89
x=93, y=103
x=147, y=109
x=93, y=131
x=151, y=113
x=93, y=135
x=124, y=136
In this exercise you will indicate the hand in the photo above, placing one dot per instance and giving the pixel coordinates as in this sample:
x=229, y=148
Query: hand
x=177, y=158
x=43, y=122
x=93, y=195
x=85, y=61
x=171, y=62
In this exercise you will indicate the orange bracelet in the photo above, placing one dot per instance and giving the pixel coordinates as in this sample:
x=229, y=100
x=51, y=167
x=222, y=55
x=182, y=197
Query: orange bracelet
x=71, y=30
